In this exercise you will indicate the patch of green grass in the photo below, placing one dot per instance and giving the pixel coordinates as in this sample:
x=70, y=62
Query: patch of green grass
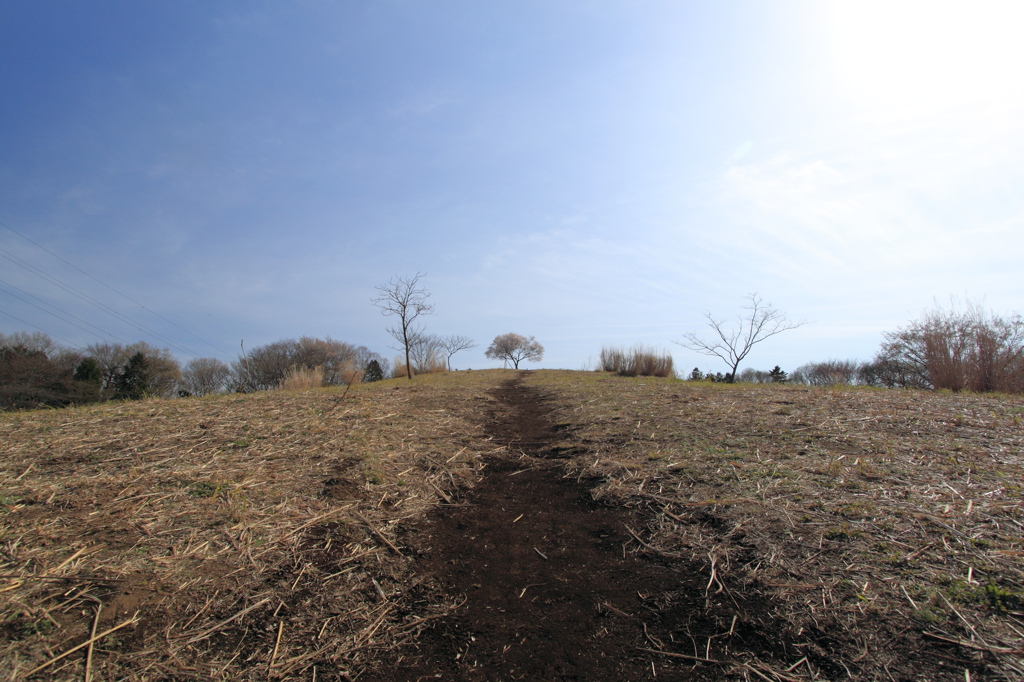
x=1003, y=600
x=856, y=510
x=927, y=615
x=842, y=533
x=31, y=628
x=205, y=489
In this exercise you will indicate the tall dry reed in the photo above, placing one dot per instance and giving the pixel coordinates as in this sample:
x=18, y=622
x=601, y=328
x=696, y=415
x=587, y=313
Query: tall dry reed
x=299, y=378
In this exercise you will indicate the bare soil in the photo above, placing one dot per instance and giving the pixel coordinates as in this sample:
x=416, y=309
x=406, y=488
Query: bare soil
x=549, y=585
x=517, y=525
x=547, y=590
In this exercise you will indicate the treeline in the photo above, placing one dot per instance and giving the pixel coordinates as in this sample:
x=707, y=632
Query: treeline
x=966, y=349
x=37, y=372
x=334, y=363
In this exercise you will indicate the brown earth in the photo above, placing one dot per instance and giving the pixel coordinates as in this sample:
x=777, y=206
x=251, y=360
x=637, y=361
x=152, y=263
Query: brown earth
x=550, y=584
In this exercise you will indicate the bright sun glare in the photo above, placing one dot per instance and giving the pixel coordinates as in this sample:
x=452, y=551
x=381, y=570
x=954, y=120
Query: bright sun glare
x=895, y=55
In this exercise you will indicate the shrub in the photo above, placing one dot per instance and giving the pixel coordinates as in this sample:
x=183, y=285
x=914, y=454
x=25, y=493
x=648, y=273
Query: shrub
x=828, y=373
x=265, y=367
x=299, y=378
x=967, y=349
x=638, y=361
x=434, y=365
x=203, y=376
x=612, y=359
x=29, y=379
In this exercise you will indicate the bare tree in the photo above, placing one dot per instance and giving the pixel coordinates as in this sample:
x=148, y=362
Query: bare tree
x=515, y=348
x=425, y=353
x=203, y=376
x=760, y=322
x=453, y=343
x=163, y=372
x=827, y=373
x=403, y=298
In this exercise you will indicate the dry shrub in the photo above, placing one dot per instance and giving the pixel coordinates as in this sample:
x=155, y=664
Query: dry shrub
x=959, y=349
x=264, y=367
x=612, y=359
x=827, y=373
x=647, y=362
x=435, y=365
x=431, y=366
x=299, y=378
x=350, y=374
x=638, y=361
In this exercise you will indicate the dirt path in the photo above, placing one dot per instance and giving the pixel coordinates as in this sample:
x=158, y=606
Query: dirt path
x=551, y=591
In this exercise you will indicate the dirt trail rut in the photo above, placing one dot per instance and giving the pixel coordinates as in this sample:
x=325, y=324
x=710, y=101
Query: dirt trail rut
x=550, y=591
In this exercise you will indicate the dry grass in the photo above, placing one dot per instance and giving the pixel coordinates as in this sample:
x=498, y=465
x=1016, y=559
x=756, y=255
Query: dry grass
x=638, y=361
x=299, y=378
x=230, y=537
x=433, y=366
x=256, y=536
x=873, y=514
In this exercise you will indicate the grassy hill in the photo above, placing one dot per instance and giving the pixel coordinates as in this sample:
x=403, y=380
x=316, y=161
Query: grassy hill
x=868, y=533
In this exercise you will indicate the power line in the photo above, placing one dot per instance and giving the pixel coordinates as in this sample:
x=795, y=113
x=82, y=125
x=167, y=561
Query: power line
x=86, y=322
x=88, y=299
x=71, y=343
x=53, y=314
x=212, y=345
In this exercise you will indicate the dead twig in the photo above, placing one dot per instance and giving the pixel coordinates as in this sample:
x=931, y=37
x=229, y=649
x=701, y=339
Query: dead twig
x=380, y=535
x=277, y=645
x=131, y=621
x=973, y=645
x=684, y=656
x=209, y=631
x=92, y=639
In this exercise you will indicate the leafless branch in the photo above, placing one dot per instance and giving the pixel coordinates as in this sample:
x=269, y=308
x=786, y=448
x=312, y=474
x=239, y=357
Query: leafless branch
x=733, y=344
x=403, y=298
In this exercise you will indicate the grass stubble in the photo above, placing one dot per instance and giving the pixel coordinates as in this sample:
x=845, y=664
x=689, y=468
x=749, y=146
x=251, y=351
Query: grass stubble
x=245, y=537
x=228, y=537
x=883, y=522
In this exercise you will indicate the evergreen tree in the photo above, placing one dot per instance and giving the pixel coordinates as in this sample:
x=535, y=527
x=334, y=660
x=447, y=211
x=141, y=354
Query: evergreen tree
x=373, y=372
x=778, y=376
x=134, y=378
x=89, y=371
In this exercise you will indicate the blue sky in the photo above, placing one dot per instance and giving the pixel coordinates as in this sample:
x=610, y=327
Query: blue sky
x=590, y=173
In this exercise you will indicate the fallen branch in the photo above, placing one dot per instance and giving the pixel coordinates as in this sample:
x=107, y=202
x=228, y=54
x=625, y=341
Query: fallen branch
x=684, y=656
x=131, y=621
x=636, y=537
x=379, y=534
x=972, y=645
x=312, y=521
x=209, y=631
